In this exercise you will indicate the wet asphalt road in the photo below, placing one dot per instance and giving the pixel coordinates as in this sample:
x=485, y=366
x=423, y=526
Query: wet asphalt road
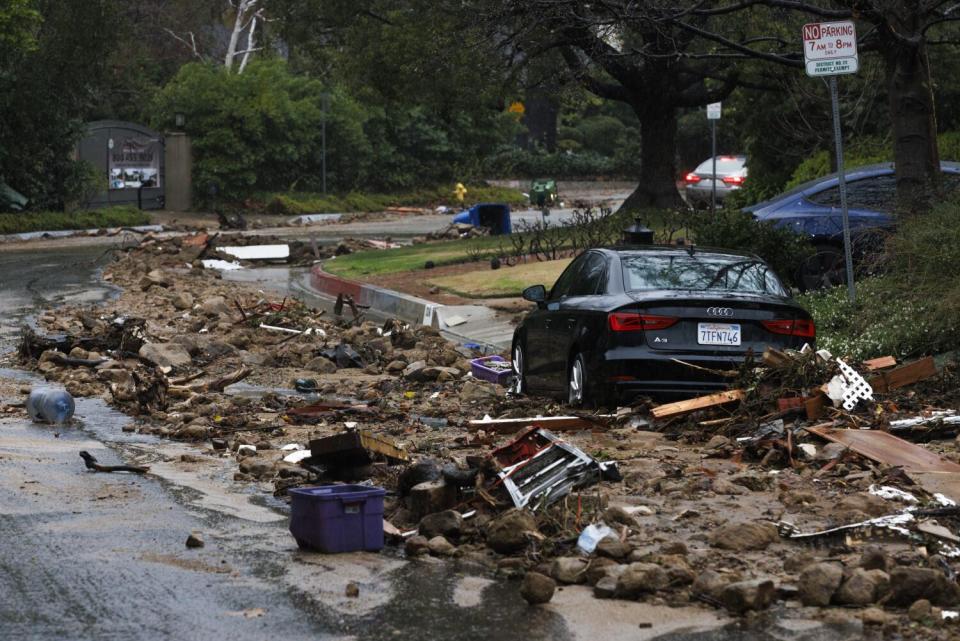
x=97, y=556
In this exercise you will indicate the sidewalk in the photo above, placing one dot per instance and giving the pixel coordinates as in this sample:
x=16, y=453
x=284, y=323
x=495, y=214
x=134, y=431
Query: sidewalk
x=463, y=323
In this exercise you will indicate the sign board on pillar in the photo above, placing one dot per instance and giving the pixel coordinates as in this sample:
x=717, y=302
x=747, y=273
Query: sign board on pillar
x=713, y=111
x=830, y=48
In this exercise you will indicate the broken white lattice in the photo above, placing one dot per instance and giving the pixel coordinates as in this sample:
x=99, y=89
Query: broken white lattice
x=855, y=388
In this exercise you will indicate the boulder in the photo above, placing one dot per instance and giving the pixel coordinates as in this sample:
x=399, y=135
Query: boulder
x=215, y=306
x=537, y=588
x=321, y=365
x=819, y=582
x=431, y=496
x=909, y=584
x=478, y=391
x=600, y=568
x=439, y=546
x=195, y=539
x=612, y=547
x=416, y=545
x=920, y=610
x=639, y=578
x=710, y=584
x=741, y=596
x=510, y=531
x=569, y=569
x=875, y=558
x=743, y=536
x=165, y=355
x=414, y=371
x=862, y=587
x=615, y=515
x=447, y=523
x=606, y=588
x=183, y=301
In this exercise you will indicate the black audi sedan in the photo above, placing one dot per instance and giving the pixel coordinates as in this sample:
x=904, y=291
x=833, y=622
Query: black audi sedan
x=625, y=321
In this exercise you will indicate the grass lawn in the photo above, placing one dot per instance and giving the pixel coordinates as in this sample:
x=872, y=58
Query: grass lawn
x=390, y=261
x=504, y=282
x=20, y=222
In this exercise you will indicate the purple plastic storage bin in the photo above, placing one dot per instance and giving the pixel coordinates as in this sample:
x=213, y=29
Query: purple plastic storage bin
x=481, y=371
x=337, y=518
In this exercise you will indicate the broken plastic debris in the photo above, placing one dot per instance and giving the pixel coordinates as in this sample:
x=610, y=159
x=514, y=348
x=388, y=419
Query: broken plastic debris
x=592, y=535
x=222, y=265
x=252, y=448
x=850, y=387
x=291, y=447
x=892, y=493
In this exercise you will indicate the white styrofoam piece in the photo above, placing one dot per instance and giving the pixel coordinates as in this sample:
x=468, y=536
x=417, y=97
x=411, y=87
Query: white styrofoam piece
x=296, y=457
x=258, y=252
x=216, y=263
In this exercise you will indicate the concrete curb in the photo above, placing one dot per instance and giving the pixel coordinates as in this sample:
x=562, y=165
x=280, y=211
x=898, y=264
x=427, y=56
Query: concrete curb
x=467, y=323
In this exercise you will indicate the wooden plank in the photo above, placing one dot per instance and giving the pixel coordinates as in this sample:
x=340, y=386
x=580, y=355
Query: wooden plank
x=692, y=405
x=555, y=423
x=883, y=362
x=887, y=449
x=904, y=375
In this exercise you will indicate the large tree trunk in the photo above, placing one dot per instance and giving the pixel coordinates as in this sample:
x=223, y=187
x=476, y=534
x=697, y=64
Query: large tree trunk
x=658, y=148
x=914, y=126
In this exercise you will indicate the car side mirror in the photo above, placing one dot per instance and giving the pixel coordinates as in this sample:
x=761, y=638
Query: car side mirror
x=535, y=294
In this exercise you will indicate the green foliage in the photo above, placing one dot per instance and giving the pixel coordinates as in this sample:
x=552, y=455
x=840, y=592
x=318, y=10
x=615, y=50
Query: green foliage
x=299, y=203
x=733, y=229
x=262, y=129
x=57, y=220
x=913, y=308
x=863, y=151
x=519, y=163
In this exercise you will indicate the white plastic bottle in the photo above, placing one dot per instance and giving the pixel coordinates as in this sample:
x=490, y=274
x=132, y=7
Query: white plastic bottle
x=50, y=405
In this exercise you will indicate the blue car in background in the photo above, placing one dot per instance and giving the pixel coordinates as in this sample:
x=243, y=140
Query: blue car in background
x=813, y=209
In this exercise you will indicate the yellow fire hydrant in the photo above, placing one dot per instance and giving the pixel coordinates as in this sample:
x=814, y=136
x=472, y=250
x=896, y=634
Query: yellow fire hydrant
x=460, y=192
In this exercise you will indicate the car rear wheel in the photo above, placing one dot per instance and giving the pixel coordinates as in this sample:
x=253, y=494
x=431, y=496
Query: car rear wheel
x=576, y=383
x=825, y=268
x=519, y=370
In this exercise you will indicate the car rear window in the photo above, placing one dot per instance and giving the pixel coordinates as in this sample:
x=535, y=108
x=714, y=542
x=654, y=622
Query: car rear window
x=725, y=165
x=700, y=272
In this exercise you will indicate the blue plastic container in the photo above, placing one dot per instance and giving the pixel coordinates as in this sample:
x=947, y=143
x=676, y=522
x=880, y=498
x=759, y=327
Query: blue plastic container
x=337, y=518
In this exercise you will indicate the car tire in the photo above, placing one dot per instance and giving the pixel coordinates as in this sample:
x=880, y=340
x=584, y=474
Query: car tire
x=577, y=383
x=519, y=369
x=825, y=268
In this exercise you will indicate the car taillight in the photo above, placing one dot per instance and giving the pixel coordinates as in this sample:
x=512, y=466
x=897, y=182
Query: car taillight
x=691, y=178
x=804, y=328
x=734, y=180
x=630, y=322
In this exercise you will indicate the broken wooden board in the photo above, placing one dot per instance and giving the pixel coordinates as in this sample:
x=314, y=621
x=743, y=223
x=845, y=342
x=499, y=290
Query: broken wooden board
x=904, y=375
x=680, y=408
x=351, y=449
x=556, y=423
x=883, y=362
x=887, y=449
x=816, y=406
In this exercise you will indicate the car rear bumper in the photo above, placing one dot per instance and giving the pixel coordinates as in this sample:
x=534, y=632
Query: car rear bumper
x=668, y=375
x=699, y=194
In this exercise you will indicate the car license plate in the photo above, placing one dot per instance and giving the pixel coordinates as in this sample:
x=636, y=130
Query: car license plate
x=718, y=334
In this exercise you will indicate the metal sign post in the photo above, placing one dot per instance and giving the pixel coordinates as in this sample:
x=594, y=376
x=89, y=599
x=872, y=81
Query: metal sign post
x=830, y=49
x=713, y=115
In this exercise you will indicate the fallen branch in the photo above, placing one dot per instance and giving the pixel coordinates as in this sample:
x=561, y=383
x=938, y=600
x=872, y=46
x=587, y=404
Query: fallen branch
x=61, y=359
x=216, y=385
x=91, y=462
x=725, y=373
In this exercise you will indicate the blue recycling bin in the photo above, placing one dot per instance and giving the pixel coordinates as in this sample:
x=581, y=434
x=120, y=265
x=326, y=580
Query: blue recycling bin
x=495, y=216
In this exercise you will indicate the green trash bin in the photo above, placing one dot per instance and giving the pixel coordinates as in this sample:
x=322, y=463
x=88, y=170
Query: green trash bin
x=543, y=192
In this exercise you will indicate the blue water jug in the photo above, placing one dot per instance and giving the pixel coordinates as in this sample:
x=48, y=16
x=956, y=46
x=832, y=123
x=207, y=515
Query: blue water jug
x=47, y=405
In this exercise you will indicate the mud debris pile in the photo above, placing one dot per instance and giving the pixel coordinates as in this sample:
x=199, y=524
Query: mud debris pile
x=768, y=496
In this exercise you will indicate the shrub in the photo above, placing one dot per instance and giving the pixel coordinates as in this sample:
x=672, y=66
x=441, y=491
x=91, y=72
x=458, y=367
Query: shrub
x=20, y=222
x=784, y=250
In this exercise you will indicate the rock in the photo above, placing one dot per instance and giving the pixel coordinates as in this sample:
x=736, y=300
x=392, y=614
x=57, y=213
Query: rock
x=908, y=584
x=875, y=558
x=256, y=468
x=798, y=562
x=600, y=568
x=414, y=371
x=478, y=391
x=183, y=300
x=193, y=432
x=395, y=367
x=215, y=306
x=509, y=532
x=321, y=365
x=920, y=610
x=639, y=578
x=612, y=547
x=675, y=548
x=753, y=481
x=743, y=536
x=615, y=515
x=439, y=546
x=606, y=588
x=866, y=504
x=569, y=569
x=678, y=570
x=195, y=540
x=154, y=277
x=352, y=590
x=441, y=374
x=874, y=616
x=165, y=355
x=741, y=596
x=831, y=451
x=537, y=588
x=447, y=523
x=431, y=496
x=709, y=584
x=862, y=587
x=416, y=545
x=819, y=582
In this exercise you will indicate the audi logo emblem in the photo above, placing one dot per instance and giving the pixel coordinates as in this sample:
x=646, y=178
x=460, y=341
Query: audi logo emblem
x=726, y=312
